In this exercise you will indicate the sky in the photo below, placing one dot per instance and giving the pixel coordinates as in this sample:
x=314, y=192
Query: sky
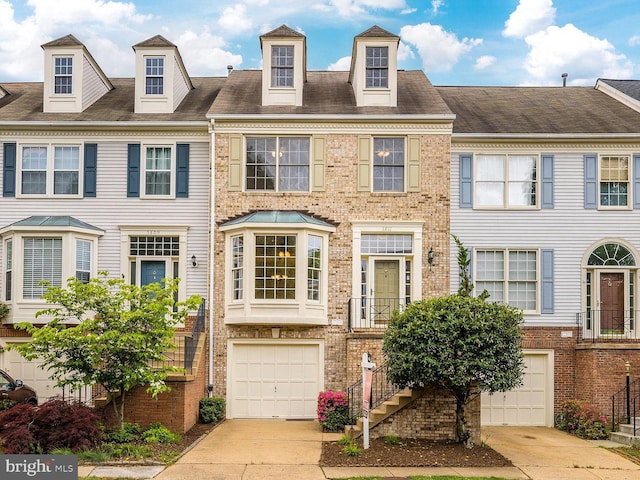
x=455, y=42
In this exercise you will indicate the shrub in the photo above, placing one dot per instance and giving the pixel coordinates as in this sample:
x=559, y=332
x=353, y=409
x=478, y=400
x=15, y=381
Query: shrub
x=55, y=424
x=158, y=433
x=351, y=450
x=4, y=310
x=211, y=409
x=583, y=420
x=391, y=439
x=333, y=410
x=6, y=404
x=128, y=433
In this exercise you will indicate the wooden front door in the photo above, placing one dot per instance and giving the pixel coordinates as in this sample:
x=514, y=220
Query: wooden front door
x=611, y=303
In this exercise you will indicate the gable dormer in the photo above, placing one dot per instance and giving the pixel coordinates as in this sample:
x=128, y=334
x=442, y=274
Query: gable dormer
x=161, y=81
x=72, y=79
x=374, y=68
x=3, y=92
x=284, y=66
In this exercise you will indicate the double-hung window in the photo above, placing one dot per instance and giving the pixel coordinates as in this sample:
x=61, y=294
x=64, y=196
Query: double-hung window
x=154, y=75
x=42, y=261
x=282, y=66
x=277, y=164
x=614, y=181
x=509, y=276
x=50, y=170
x=63, y=75
x=158, y=171
x=8, y=275
x=388, y=164
x=506, y=181
x=377, y=69
x=83, y=260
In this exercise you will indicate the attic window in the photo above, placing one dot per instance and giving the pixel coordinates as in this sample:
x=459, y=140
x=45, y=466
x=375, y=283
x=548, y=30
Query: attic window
x=154, y=75
x=377, y=67
x=282, y=66
x=62, y=80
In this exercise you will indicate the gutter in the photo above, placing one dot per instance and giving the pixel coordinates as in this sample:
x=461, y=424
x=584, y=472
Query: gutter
x=306, y=116
x=212, y=223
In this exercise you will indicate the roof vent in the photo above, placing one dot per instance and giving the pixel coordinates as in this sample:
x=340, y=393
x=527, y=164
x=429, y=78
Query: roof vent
x=229, y=68
x=564, y=79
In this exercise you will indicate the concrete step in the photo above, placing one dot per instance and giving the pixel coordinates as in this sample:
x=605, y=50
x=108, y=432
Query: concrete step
x=625, y=438
x=629, y=428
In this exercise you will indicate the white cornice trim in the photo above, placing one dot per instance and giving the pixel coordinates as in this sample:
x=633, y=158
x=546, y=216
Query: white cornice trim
x=333, y=127
x=121, y=133
x=464, y=147
x=447, y=117
x=459, y=137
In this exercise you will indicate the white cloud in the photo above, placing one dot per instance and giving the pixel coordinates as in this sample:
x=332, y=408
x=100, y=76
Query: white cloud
x=634, y=41
x=435, y=6
x=408, y=11
x=235, y=19
x=85, y=11
x=439, y=50
x=529, y=16
x=484, y=61
x=204, y=54
x=348, y=8
x=343, y=64
x=568, y=49
x=405, y=52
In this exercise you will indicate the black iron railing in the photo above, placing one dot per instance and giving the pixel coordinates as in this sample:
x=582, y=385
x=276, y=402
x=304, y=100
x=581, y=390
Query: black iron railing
x=608, y=326
x=191, y=343
x=381, y=391
x=624, y=404
x=372, y=313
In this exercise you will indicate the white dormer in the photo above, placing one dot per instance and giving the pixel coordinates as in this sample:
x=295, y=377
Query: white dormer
x=72, y=79
x=161, y=80
x=3, y=92
x=374, y=68
x=284, y=68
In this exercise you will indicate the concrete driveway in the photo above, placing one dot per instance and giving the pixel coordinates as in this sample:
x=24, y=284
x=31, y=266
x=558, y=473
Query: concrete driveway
x=548, y=454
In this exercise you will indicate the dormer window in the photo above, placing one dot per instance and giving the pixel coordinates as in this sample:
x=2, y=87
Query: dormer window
x=63, y=75
x=282, y=66
x=154, y=75
x=377, y=67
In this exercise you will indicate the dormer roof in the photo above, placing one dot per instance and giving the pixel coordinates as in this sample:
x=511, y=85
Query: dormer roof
x=66, y=41
x=281, y=31
x=378, y=32
x=155, y=41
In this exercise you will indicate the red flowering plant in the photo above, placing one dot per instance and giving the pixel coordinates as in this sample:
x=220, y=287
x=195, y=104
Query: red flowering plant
x=583, y=420
x=333, y=410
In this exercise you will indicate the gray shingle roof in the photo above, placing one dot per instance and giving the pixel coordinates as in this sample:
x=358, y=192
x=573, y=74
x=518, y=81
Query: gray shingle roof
x=628, y=87
x=66, y=41
x=376, y=31
x=24, y=103
x=282, y=31
x=327, y=93
x=53, y=221
x=155, y=41
x=538, y=110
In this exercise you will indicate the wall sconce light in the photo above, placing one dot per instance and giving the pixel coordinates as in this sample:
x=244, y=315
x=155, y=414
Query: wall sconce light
x=430, y=256
x=194, y=261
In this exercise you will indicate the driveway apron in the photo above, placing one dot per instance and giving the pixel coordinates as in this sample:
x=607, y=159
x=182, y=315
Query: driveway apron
x=546, y=453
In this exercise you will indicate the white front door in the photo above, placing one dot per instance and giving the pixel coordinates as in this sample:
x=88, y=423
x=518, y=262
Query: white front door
x=274, y=380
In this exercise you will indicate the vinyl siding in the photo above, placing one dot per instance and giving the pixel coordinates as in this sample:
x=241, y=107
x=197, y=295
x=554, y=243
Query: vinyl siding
x=92, y=85
x=180, y=87
x=568, y=228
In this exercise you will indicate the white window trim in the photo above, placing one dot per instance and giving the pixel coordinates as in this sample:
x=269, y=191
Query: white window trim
x=629, y=205
x=53, y=83
x=163, y=76
x=506, y=181
x=366, y=69
x=388, y=228
x=405, y=165
x=274, y=66
x=143, y=172
x=50, y=171
x=156, y=231
x=505, y=281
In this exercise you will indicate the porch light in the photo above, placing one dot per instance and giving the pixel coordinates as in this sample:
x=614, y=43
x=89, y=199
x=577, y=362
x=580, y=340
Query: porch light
x=430, y=256
x=194, y=261
x=627, y=367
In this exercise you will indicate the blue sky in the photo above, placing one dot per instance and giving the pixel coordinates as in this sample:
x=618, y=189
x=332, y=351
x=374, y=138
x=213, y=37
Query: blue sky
x=455, y=42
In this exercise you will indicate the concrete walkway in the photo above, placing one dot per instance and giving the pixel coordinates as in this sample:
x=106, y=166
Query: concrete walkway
x=278, y=449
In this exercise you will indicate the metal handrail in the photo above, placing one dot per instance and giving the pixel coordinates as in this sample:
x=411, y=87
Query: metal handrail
x=608, y=326
x=621, y=402
x=381, y=391
x=372, y=312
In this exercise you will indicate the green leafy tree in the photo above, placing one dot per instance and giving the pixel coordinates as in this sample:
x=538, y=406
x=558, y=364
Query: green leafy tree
x=121, y=336
x=466, y=286
x=462, y=344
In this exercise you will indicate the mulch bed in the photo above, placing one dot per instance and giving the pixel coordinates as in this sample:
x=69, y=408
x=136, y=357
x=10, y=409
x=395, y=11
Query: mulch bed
x=413, y=453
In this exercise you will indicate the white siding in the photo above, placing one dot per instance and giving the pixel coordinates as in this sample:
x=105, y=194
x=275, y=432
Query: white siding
x=568, y=228
x=180, y=87
x=92, y=85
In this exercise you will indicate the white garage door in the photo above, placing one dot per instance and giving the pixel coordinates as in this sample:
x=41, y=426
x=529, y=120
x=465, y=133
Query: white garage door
x=274, y=380
x=527, y=405
x=30, y=373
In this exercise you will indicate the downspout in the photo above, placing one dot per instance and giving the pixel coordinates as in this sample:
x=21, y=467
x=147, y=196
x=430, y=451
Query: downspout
x=212, y=222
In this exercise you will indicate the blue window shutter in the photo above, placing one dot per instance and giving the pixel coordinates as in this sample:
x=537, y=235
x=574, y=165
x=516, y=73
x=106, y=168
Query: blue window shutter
x=182, y=170
x=547, y=281
x=547, y=182
x=133, y=170
x=9, y=170
x=90, y=168
x=636, y=180
x=466, y=180
x=591, y=181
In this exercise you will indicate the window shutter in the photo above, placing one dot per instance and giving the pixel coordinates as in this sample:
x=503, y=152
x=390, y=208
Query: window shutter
x=364, y=164
x=591, y=181
x=413, y=164
x=9, y=170
x=547, y=182
x=466, y=180
x=318, y=166
x=182, y=170
x=235, y=163
x=90, y=168
x=547, y=281
x=133, y=170
x=636, y=180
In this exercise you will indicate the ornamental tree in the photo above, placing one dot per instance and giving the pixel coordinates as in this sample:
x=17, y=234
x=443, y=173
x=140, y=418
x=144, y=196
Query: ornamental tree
x=109, y=333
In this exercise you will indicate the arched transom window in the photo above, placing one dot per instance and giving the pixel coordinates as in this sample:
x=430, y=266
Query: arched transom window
x=611, y=254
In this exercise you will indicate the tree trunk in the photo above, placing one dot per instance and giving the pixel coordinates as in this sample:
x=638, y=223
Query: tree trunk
x=462, y=433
